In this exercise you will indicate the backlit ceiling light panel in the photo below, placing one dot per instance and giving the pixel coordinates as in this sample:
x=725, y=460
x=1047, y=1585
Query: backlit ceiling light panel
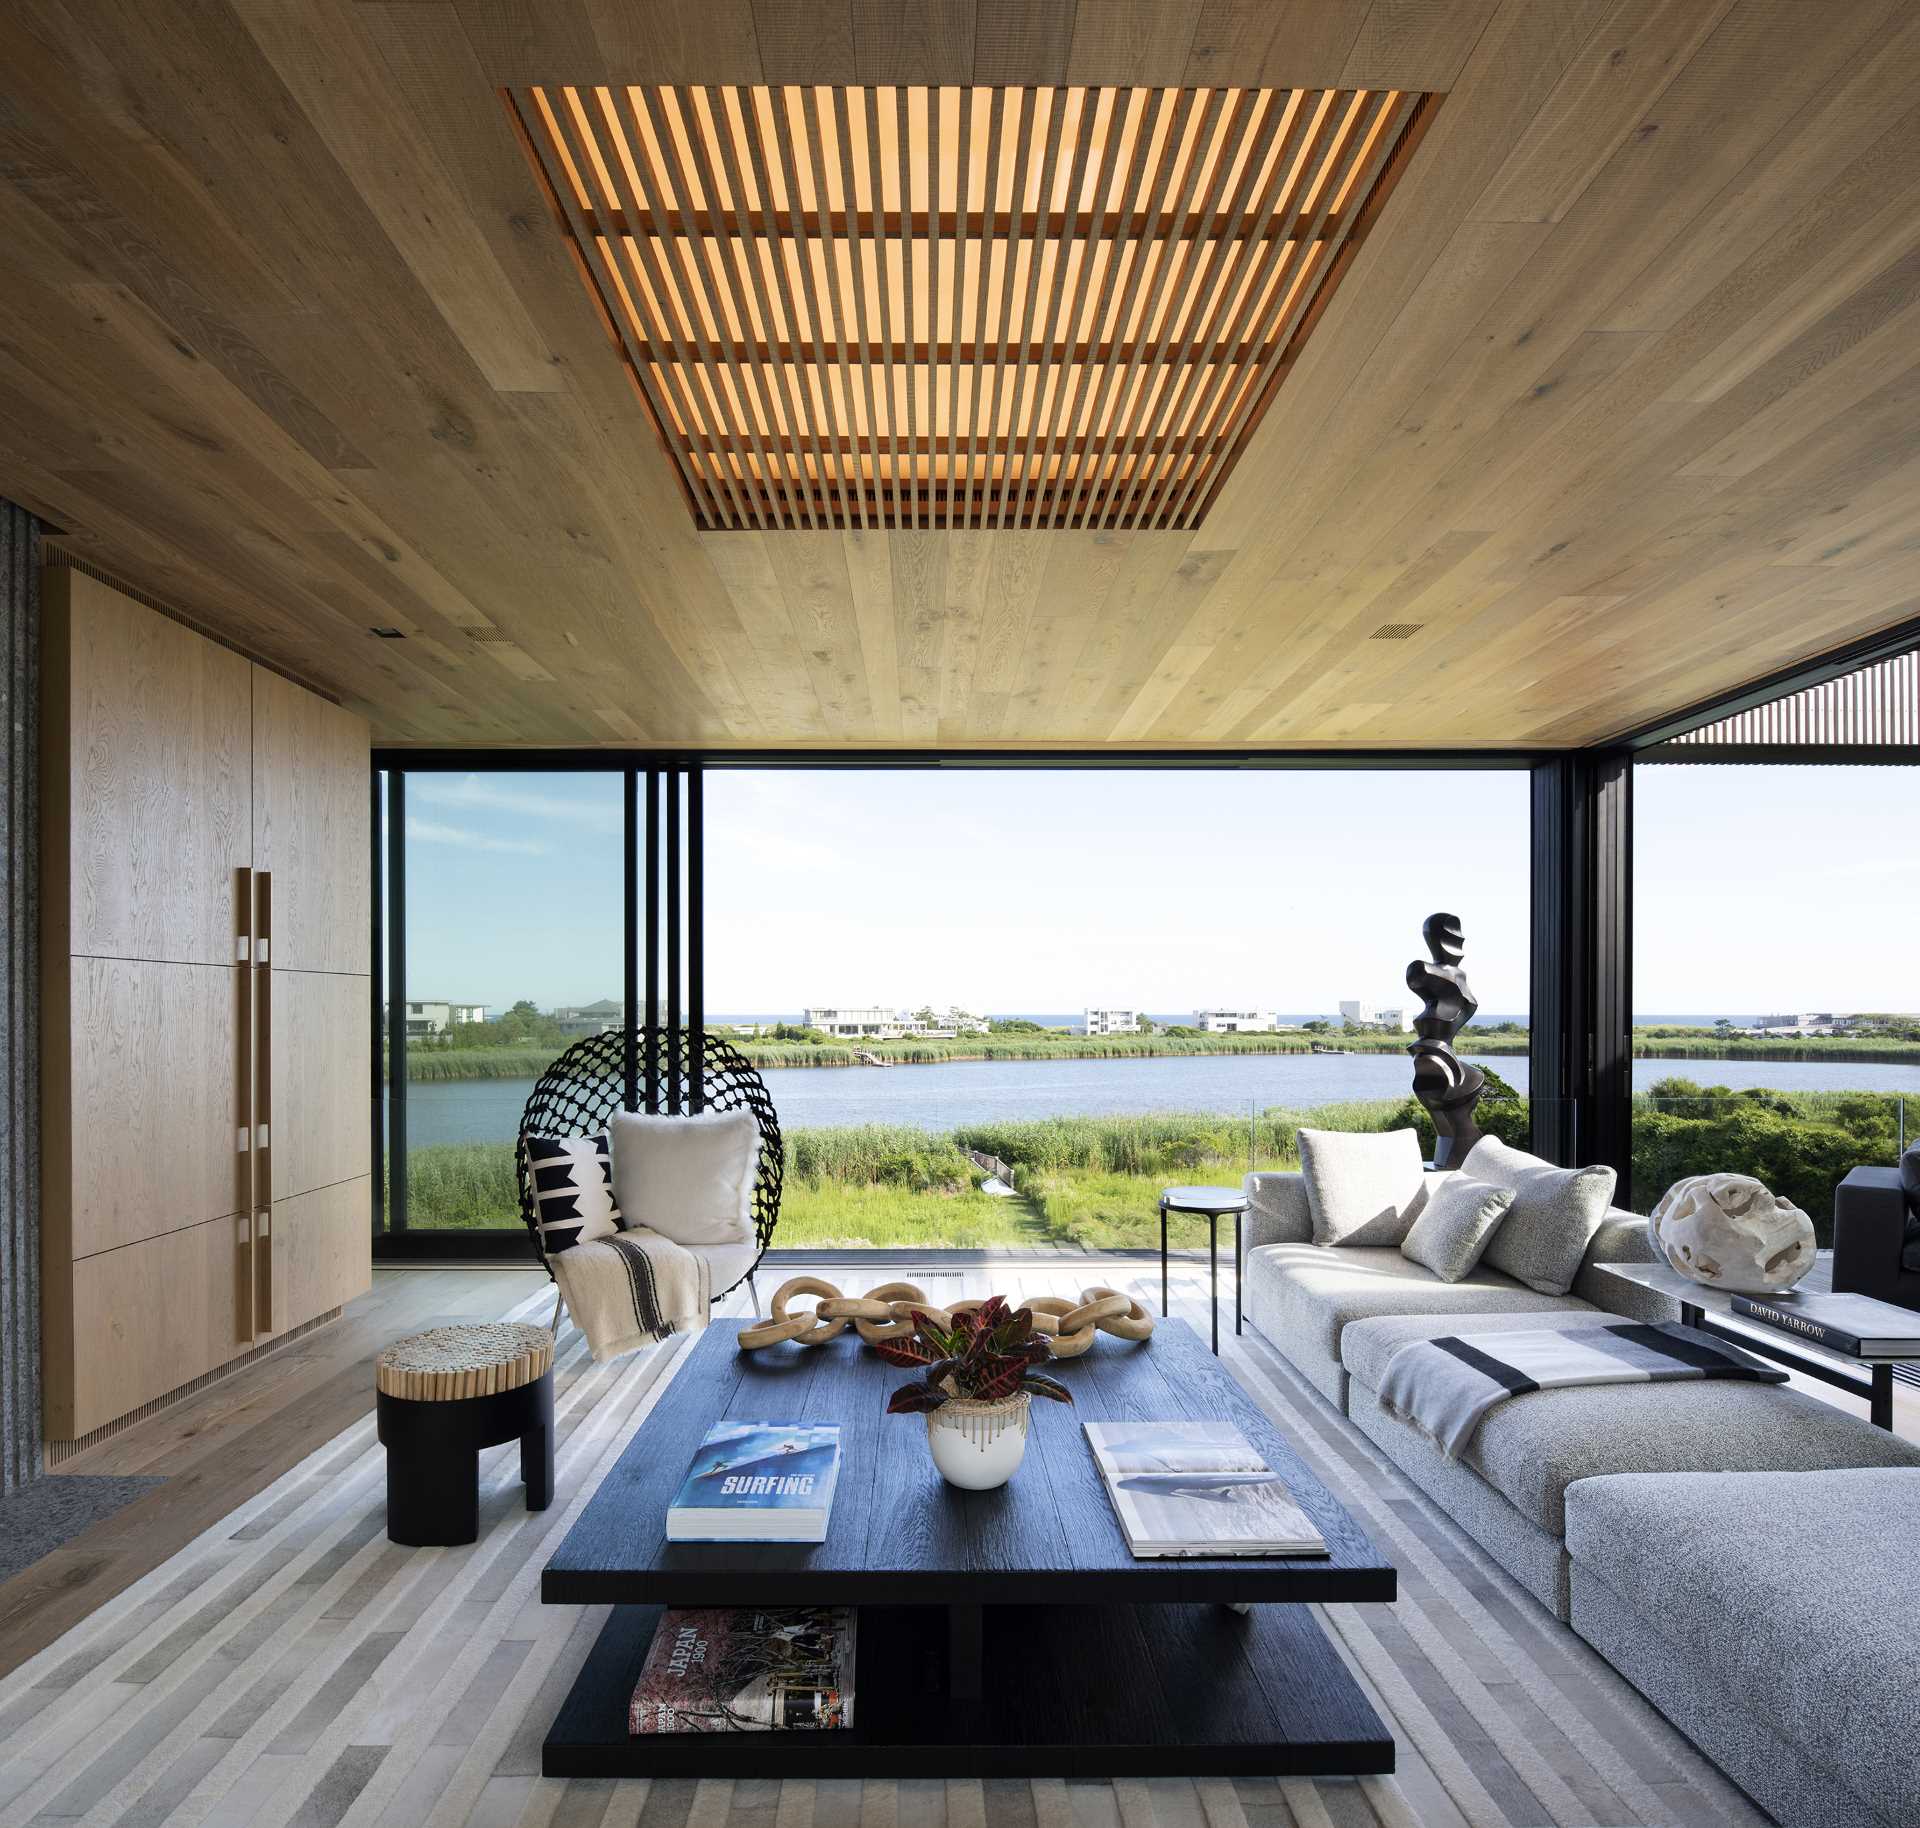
x=914, y=307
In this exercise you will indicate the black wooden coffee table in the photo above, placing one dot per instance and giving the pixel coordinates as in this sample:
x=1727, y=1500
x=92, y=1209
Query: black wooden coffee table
x=1004, y=1633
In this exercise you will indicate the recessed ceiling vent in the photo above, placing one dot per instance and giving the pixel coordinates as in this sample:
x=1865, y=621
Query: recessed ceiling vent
x=1396, y=631
x=912, y=307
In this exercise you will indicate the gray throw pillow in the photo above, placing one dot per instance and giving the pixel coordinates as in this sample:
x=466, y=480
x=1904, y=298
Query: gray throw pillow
x=1556, y=1211
x=1457, y=1223
x=1363, y=1189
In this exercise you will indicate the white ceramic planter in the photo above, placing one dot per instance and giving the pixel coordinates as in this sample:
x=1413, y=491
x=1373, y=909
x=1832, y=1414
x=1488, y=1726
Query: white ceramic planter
x=978, y=1446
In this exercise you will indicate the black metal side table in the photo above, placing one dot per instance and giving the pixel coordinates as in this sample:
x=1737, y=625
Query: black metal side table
x=1212, y=1204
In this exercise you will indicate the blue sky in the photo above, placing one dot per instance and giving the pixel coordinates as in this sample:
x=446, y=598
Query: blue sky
x=1048, y=890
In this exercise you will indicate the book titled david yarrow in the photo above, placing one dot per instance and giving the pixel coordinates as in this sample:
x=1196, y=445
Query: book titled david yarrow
x=1853, y=1324
x=1197, y=1488
x=759, y=1482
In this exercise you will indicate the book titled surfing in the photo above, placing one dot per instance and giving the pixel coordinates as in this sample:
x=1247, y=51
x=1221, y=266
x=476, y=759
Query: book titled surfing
x=746, y=1669
x=1855, y=1324
x=1197, y=1488
x=759, y=1482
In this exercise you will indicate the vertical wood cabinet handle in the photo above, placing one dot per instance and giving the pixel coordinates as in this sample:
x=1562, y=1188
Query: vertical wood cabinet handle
x=263, y=1101
x=244, y=1198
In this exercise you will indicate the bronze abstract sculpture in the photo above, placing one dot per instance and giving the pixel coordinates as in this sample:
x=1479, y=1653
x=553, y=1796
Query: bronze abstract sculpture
x=1445, y=1084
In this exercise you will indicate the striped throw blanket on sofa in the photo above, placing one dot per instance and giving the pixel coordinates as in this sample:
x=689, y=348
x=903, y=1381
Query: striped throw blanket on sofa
x=1446, y=1386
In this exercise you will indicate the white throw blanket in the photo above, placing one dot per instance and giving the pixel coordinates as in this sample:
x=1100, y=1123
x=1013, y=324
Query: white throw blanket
x=632, y=1290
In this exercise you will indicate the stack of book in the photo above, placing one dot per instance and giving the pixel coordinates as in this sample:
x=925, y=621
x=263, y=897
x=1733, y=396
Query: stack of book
x=1197, y=1488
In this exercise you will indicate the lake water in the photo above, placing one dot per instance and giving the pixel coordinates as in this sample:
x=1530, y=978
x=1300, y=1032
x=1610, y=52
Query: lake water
x=988, y=1091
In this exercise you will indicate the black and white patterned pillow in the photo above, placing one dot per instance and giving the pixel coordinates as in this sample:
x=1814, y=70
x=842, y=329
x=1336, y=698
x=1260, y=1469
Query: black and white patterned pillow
x=572, y=1186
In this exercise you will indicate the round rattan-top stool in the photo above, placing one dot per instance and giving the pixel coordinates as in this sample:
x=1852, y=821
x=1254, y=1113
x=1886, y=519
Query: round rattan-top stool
x=441, y=1396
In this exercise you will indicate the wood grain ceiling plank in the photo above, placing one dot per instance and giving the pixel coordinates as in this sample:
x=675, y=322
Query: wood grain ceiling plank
x=870, y=576
x=1298, y=44
x=919, y=568
x=806, y=41
x=660, y=41
x=1013, y=589
x=1416, y=44
x=1132, y=41
x=1022, y=41
x=320, y=52
x=913, y=41
x=533, y=41
x=1163, y=582
x=963, y=618
x=812, y=569
x=744, y=568
x=1603, y=97
x=1081, y=567
x=1791, y=174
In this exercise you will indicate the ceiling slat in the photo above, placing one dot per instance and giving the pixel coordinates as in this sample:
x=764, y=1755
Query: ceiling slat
x=786, y=272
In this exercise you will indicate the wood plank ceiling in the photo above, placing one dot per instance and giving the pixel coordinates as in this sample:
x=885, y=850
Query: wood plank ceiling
x=1615, y=407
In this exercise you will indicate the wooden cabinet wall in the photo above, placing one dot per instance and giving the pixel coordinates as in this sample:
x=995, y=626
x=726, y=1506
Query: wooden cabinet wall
x=206, y=1161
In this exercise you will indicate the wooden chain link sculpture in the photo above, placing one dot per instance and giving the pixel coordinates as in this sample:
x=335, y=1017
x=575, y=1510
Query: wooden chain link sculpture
x=887, y=1313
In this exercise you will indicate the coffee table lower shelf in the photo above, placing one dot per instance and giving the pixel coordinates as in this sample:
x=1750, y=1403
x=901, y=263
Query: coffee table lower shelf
x=1067, y=1691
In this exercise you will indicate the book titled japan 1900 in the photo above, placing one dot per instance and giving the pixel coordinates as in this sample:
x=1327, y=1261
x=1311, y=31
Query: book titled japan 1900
x=746, y=1669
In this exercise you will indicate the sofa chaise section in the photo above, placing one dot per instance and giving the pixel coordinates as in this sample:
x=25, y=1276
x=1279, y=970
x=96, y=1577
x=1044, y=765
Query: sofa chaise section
x=1775, y=1619
x=1509, y=1488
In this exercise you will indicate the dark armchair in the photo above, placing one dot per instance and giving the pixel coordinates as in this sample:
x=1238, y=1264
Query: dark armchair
x=1876, y=1234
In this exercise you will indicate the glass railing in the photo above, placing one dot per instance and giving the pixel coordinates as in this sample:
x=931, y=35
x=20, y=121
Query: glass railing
x=1799, y=1145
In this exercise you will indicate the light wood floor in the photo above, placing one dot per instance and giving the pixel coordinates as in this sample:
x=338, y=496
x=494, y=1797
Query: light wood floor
x=222, y=1445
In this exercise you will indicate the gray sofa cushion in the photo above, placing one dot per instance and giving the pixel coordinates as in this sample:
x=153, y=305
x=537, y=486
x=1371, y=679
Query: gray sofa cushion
x=1543, y=1240
x=1455, y=1226
x=1364, y=1188
x=1277, y=1210
x=1301, y=1297
x=1801, y=1590
x=1531, y=1448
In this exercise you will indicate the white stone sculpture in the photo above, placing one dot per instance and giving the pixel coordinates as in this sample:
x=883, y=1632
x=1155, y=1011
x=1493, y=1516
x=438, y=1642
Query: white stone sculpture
x=1728, y=1231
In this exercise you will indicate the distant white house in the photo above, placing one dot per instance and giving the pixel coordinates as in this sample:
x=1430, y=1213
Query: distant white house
x=877, y=1024
x=1790, y=1025
x=430, y=1017
x=1368, y=1015
x=1236, y=1021
x=1113, y=1021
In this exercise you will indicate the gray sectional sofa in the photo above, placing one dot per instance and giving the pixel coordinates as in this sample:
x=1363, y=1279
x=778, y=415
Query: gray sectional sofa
x=1697, y=1535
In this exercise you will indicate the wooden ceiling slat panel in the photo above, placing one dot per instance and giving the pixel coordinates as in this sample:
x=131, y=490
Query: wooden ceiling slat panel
x=1158, y=432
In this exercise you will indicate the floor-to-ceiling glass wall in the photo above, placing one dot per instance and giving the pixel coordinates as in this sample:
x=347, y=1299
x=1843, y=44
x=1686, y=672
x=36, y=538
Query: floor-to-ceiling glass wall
x=1009, y=1005
x=1775, y=978
x=513, y=925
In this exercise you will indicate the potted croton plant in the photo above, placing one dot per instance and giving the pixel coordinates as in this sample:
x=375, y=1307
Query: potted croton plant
x=978, y=1384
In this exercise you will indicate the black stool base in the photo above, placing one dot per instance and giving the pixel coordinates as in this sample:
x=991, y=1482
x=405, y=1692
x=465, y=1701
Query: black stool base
x=433, y=1458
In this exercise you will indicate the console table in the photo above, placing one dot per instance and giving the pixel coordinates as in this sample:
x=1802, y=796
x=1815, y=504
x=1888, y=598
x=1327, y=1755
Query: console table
x=1001, y=1634
x=1870, y=1379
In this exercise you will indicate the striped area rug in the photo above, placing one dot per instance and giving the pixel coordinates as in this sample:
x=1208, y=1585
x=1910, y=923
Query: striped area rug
x=293, y=1669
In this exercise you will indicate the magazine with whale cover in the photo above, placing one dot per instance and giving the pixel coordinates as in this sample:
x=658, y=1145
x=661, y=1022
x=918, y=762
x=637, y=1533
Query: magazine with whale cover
x=759, y=1482
x=1198, y=1488
x=746, y=1669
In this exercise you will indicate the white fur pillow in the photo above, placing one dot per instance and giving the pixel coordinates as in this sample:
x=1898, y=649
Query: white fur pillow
x=688, y=1178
